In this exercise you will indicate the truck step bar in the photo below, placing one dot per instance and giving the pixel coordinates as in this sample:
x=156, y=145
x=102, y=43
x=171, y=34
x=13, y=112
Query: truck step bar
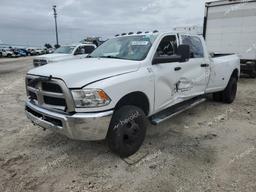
x=175, y=110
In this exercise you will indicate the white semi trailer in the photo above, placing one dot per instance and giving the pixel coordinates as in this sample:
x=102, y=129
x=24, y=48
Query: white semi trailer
x=230, y=27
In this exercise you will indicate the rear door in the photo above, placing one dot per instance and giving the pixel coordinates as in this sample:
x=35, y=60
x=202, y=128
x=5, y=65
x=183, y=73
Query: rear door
x=195, y=72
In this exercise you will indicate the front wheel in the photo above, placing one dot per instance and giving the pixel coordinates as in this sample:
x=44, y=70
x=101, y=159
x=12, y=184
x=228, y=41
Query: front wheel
x=127, y=131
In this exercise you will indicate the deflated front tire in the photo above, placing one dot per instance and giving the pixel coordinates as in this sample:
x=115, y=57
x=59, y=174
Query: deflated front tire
x=127, y=131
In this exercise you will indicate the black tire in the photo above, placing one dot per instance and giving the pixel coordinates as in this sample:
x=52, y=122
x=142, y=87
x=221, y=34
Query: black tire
x=218, y=97
x=229, y=94
x=253, y=74
x=127, y=131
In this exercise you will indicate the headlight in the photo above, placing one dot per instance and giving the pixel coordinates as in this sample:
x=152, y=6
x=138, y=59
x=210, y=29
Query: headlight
x=90, y=98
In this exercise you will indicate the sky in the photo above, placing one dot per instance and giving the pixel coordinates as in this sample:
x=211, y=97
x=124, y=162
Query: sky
x=31, y=22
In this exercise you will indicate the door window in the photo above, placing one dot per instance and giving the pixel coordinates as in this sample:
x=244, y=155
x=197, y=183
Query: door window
x=88, y=49
x=79, y=51
x=167, y=47
x=84, y=50
x=195, y=44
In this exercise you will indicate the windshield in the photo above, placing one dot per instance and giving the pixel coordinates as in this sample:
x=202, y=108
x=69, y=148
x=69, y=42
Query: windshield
x=65, y=49
x=127, y=47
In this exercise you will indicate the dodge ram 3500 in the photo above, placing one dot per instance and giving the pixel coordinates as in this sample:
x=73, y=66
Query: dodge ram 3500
x=64, y=53
x=127, y=80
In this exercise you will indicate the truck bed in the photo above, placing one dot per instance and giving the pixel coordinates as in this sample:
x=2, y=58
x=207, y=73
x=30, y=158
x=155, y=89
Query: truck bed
x=222, y=63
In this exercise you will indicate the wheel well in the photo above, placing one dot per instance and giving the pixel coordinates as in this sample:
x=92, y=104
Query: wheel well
x=235, y=74
x=137, y=99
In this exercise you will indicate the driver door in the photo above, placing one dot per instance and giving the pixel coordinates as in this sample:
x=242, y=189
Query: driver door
x=167, y=75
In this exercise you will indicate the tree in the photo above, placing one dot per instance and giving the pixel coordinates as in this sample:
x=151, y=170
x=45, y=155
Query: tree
x=48, y=46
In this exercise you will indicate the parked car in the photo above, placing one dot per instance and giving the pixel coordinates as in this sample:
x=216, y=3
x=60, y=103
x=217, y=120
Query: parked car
x=6, y=52
x=31, y=51
x=126, y=81
x=229, y=27
x=39, y=51
x=51, y=50
x=63, y=53
x=1, y=52
x=21, y=52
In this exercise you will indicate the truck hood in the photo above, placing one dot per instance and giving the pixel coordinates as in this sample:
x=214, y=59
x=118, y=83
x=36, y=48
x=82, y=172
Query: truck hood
x=54, y=57
x=80, y=72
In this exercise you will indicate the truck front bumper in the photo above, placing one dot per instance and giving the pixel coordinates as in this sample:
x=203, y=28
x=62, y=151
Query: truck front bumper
x=79, y=126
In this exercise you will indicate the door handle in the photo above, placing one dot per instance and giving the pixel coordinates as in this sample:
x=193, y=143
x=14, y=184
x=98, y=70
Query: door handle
x=177, y=68
x=205, y=65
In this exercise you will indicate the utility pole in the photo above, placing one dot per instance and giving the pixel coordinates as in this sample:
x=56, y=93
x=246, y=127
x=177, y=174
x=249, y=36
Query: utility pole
x=56, y=27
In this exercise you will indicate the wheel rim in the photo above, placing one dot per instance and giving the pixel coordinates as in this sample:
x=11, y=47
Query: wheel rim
x=131, y=133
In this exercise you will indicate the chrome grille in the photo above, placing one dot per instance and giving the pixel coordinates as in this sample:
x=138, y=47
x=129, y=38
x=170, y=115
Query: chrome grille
x=39, y=62
x=49, y=93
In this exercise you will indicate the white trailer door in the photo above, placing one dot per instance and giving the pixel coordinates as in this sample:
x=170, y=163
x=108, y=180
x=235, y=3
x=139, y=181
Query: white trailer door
x=231, y=28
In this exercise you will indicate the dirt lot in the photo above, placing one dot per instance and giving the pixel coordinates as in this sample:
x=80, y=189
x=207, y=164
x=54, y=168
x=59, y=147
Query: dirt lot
x=209, y=148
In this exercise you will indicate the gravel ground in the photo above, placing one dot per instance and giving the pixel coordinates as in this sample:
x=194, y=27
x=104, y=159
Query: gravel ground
x=211, y=147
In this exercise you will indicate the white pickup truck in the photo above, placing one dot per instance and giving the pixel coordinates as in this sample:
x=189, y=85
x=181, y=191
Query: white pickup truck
x=67, y=52
x=6, y=53
x=126, y=81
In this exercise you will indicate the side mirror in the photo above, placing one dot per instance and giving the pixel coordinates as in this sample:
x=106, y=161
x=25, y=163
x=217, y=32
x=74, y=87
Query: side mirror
x=184, y=52
x=212, y=54
x=167, y=59
x=183, y=55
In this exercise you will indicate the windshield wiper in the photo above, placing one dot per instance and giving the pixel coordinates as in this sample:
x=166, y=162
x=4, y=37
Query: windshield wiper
x=110, y=56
